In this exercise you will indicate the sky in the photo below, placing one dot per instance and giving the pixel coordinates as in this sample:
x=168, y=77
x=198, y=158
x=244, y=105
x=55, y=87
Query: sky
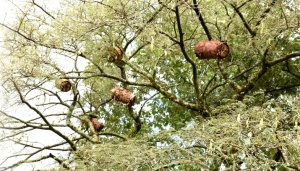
x=5, y=10
x=8, y=10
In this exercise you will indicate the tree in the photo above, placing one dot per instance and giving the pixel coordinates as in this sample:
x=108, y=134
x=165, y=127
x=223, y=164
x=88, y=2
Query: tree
x=180, y=112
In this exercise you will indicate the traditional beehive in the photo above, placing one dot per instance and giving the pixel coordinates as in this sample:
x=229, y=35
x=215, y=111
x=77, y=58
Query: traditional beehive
x=211, y=49
x=113, y=54
x=63, y=84
x=123, y=95
x=98, y=126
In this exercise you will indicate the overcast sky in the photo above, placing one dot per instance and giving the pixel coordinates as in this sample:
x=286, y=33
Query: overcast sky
x=8, y=9
x=5, y=8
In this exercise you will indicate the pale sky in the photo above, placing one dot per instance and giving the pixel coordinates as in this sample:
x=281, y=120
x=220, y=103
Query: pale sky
x=8, y=9
x=4, y=8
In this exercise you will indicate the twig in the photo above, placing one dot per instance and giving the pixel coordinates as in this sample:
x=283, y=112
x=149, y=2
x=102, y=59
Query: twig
x=163, y=90
x=253, y=33
x=42, y=116
x=34, y=3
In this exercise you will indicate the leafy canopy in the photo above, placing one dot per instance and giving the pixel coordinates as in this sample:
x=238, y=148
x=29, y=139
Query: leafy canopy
x=240, y=112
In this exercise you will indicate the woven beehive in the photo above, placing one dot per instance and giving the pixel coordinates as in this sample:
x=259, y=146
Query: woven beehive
x=211, y=49
x=113, y=55
x=123, y=95
x=98, y=126
x=63, y=84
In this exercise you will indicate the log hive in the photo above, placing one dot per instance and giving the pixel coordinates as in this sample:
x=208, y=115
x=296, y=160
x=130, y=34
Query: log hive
x=113, y=54
x=63, y=84
x=211, y=49
x=98, y=126
x=123, y=95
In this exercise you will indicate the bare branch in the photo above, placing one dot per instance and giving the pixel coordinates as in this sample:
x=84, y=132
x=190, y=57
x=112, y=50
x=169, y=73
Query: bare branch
x=33, y=1
x=43, y=118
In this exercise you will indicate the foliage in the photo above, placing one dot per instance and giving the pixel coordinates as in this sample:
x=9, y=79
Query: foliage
x=190, y=114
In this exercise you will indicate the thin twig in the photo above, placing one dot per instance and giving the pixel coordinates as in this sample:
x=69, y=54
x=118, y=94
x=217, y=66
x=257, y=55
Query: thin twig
x=34, y=3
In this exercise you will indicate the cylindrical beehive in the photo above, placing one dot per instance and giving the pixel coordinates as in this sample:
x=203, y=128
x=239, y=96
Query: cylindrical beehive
x=211, y=49
x=123, y=95
x=63, y=84
x=112, y=54
x=98, y=126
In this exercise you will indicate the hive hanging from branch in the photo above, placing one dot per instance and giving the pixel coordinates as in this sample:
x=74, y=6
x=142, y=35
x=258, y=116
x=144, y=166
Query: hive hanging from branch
x=113, y=54
x=211, y=49
x=63, y=84
x=98, y=126
x=123, y=95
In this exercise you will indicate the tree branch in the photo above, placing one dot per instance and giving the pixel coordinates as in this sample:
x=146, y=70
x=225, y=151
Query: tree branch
x=60, y=161
x=289, y=70
x=163, y=90
x=113, y=134
x=170, y=37
x=111, y=77
x=26, y=123
x=24, y=161
x=34, y=3
x=265, y=65
x=139, y=31
x=189, y=60
x=43, y=118
x=70, y=125
x=202, y=22
x=264, y=14
x=289, y=56
x=283, y=88
x=236, y=9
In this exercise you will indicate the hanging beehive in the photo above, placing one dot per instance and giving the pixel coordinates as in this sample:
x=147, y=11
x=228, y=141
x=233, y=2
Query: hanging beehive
x=63, y=84
x=123, y=95
x=113, y=55
x=211, y=50
x=98, y=126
